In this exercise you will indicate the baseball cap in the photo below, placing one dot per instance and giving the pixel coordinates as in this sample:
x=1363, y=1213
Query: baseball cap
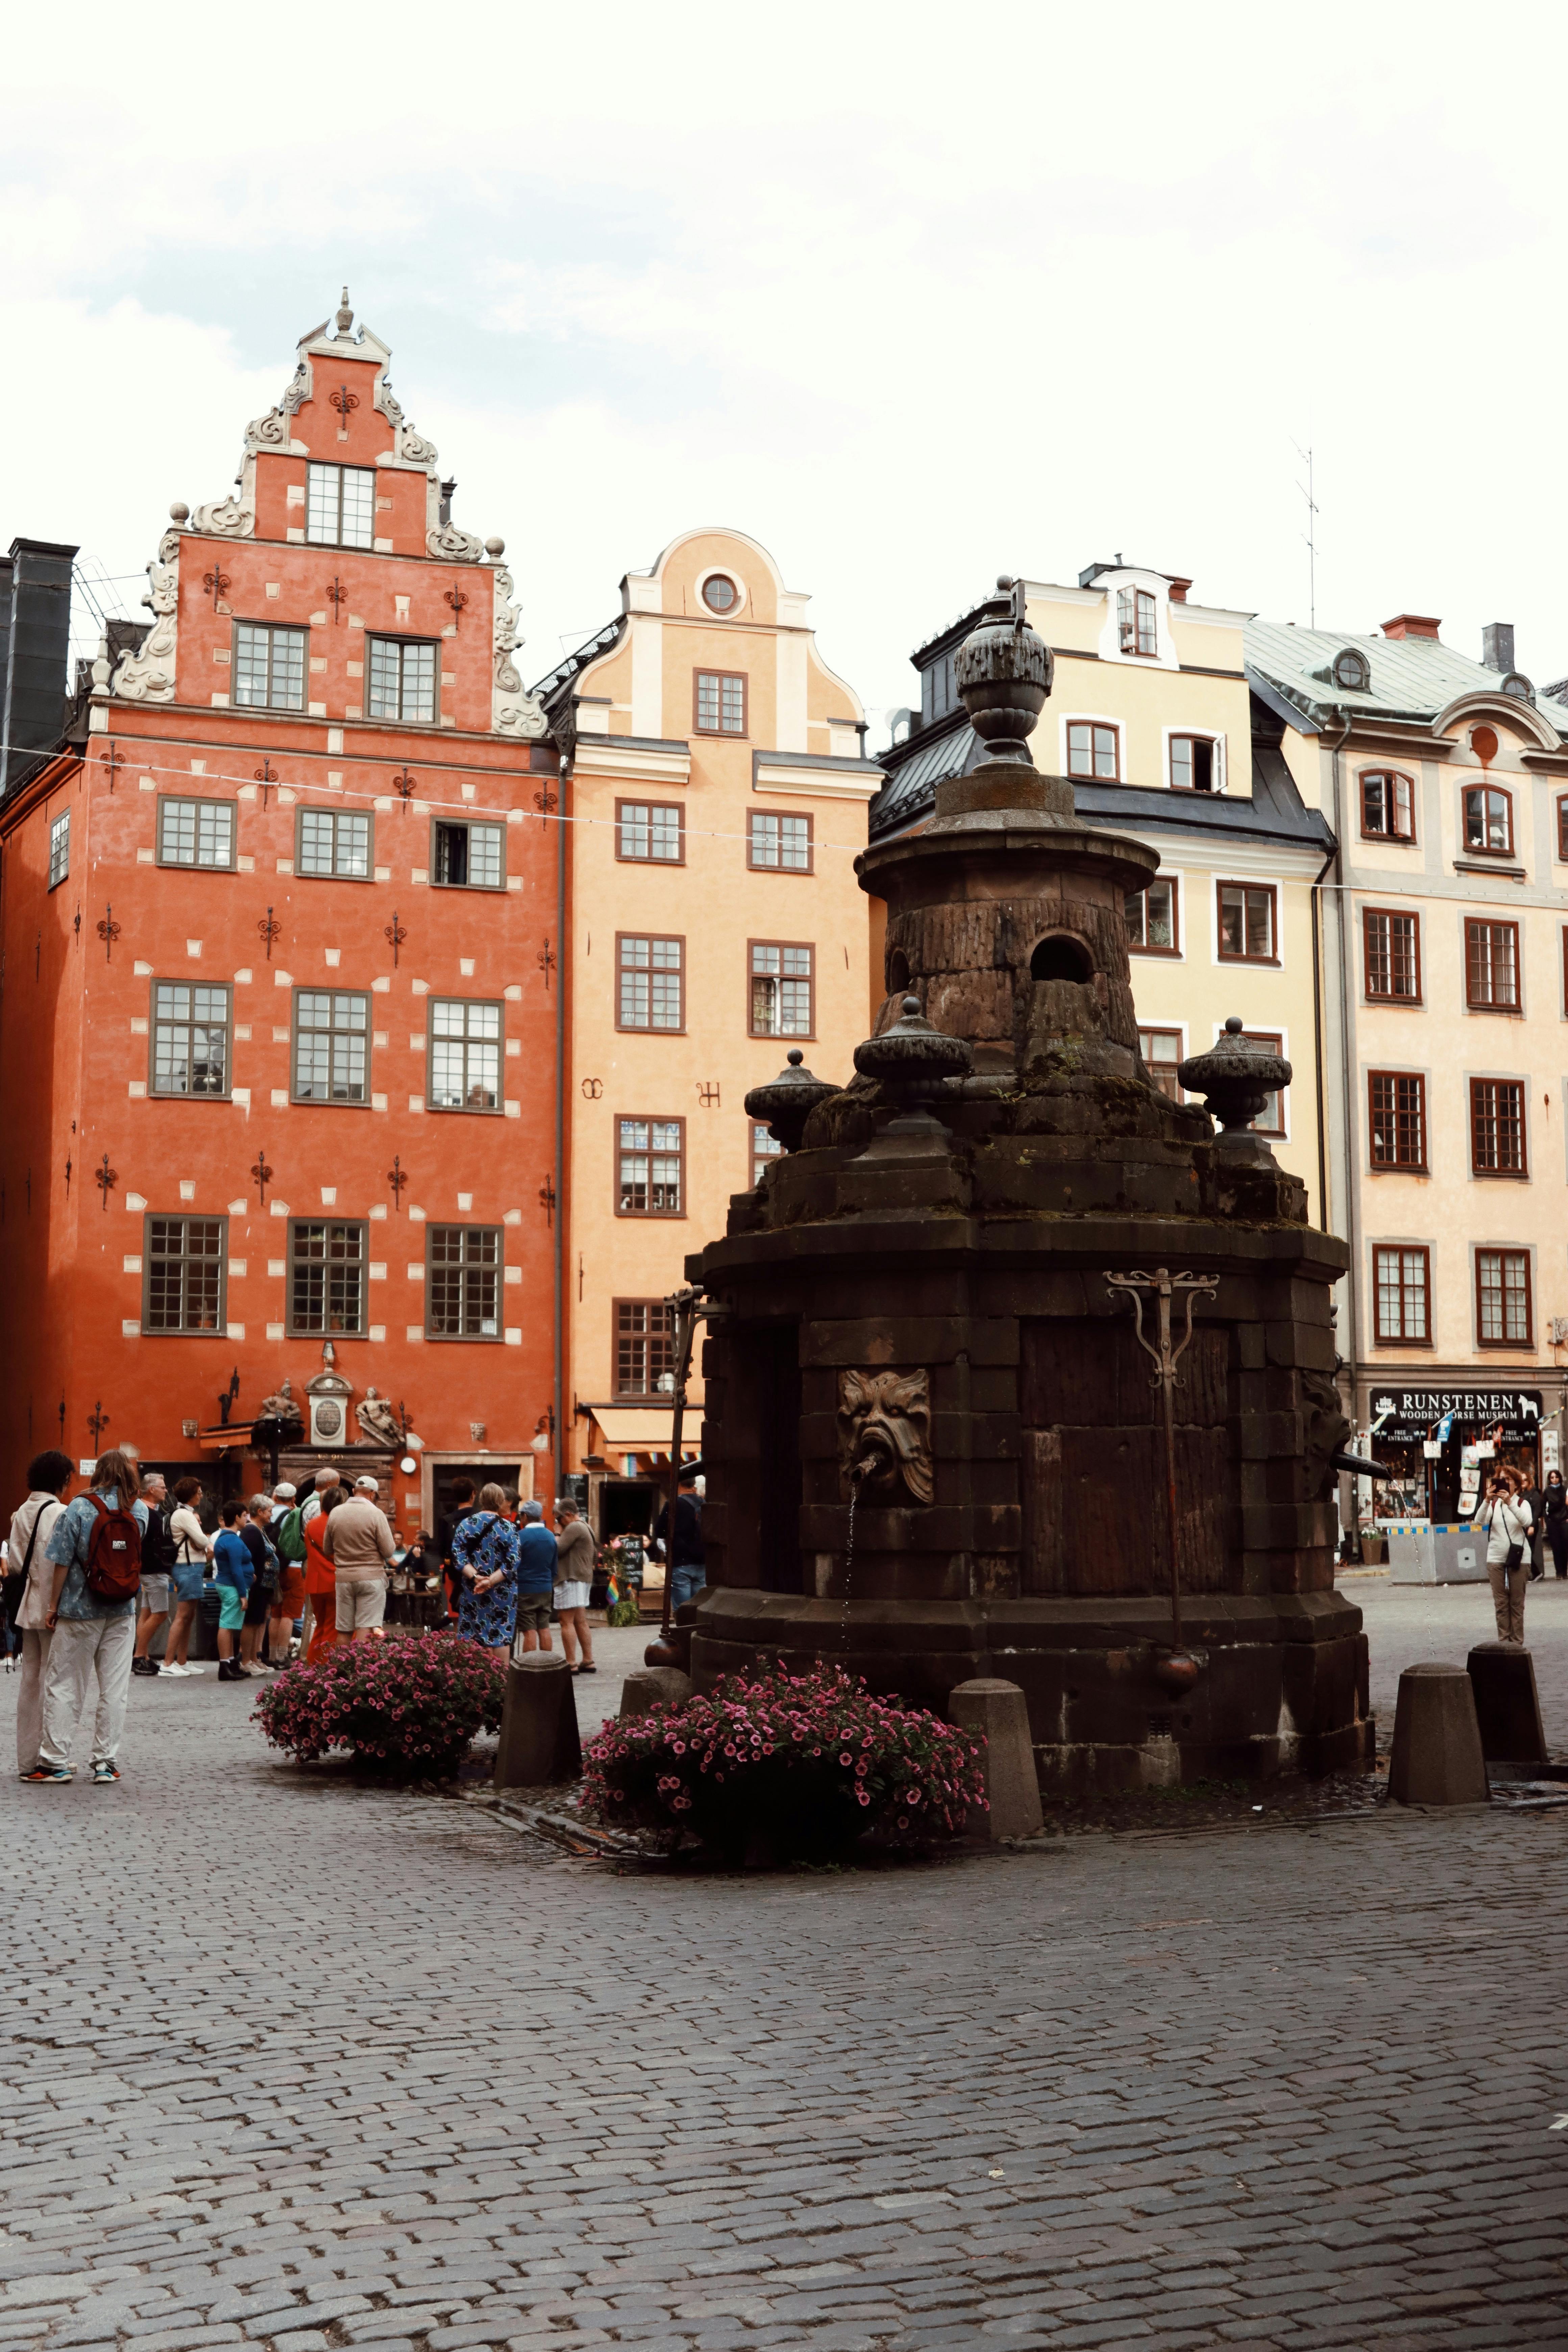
x=283, y=1493
x=373, y=1483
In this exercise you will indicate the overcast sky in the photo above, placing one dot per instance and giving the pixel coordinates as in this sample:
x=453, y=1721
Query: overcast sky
x=912, y=295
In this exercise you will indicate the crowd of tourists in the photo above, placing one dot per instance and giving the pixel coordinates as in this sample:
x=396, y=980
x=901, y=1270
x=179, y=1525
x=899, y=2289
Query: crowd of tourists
x=92, y=1582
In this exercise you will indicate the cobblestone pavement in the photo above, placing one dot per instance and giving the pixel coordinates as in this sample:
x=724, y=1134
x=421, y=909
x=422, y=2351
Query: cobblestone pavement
x=295, y=2064
x=1405, y=1622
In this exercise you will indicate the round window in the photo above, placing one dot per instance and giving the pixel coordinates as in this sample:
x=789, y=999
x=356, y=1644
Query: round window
x=1483, y=743
x=720, y=594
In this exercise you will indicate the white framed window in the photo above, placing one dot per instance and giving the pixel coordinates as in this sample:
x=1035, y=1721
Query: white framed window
x=59, y=849
x=197, y=832
x=402, y=679
x=268, y=667
x=340, y=505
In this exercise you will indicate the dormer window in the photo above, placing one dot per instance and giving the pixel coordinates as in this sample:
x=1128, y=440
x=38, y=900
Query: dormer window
x=1350, y=670
x=1518, y=686
x=1135, y=620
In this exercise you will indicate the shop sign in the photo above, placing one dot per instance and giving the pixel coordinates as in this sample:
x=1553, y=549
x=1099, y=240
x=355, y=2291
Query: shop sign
x=1407, y=1414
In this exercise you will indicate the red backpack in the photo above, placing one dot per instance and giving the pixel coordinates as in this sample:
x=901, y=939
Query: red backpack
x=113, y=1570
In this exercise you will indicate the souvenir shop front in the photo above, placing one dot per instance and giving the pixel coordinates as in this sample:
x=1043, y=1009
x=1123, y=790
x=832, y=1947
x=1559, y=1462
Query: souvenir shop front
x=1439, y=1441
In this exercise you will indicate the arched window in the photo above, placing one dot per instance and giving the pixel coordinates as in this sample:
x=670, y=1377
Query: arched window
x=1488, y=821
x=1387, y=805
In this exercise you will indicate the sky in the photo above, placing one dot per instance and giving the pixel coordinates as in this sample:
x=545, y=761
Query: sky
x=915, y=296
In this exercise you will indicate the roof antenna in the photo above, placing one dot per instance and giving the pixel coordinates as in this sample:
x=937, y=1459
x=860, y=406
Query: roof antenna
x=1310, y=535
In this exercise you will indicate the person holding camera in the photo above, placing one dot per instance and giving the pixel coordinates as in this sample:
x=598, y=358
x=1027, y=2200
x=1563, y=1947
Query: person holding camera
x=1506, y=1516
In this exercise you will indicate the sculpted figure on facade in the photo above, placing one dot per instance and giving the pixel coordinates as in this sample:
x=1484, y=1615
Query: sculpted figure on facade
x=379, y=1425
x=884, y=1431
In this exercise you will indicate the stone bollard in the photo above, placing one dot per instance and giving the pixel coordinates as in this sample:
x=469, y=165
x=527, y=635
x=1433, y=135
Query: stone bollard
x=1506, y=1707
x=998, y=1713
x=539, y=1742
x=647, y=1690
x=1436, y=1757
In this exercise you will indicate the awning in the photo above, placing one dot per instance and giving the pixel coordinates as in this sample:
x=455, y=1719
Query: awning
x=221, y=1434
x=644, y=1428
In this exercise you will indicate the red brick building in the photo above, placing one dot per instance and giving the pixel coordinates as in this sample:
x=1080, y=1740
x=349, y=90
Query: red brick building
x=279, y=1035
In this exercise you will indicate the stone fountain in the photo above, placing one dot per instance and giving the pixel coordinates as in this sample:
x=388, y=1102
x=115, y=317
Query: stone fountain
x=935, y=1447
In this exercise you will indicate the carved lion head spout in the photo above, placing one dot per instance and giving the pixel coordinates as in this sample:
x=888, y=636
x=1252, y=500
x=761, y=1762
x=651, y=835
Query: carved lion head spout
x=884, y=1436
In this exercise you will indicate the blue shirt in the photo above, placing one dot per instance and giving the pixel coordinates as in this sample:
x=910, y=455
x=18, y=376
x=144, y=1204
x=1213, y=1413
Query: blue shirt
x=536, y=1550
x=68, y=1541
x=235, y=1565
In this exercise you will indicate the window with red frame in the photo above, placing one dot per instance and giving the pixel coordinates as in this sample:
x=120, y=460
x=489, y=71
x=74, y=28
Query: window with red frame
x=1387, y=805
x=1488, y=821
x=1402, y=1280
x=1136, y=618
x=1393, y=949
x=1496, y=1127
x=1492, y=967
x=1503, y=1317
x=1396, y=1118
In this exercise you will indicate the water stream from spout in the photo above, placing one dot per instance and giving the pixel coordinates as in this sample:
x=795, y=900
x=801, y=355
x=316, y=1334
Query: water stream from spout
x=850, y=1558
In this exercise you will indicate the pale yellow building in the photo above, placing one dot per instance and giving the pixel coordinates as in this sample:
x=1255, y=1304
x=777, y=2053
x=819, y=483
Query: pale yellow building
x=1445, y=994
x=715, y=787
x=1152, y=717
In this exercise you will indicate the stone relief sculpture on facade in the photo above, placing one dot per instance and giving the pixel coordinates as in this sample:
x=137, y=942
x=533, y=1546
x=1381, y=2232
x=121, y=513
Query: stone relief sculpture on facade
x=884, y=1432
x=148, y=674
x=225, y=519
x=513, y=711
x=378, y=1424
x=454, y=546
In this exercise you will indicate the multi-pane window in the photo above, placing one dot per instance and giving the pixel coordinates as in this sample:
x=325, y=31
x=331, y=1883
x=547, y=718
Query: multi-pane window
x=719, y=702
x=402, y=679
x=1192, y=764
x=1162, y=1051
x=1488, y=820
x=1402, y=1283
x=650, y=991
x=644, y=1364
x=650, y=1174
x=466, y=856
x=1503, y=1298
x=334, y=840
x=1152, y=918
x=1492, y=967
x=327, y=1276
x=1387, y=805
x=331, y=1045
x=1396, y=1118
x=1270, y=1119
x=766, y=1150
x=60, y=849
x=1393, y=943
x=195, y=833
x=270, y=666
x=465, y=1055
x=1135, y=620
x=190, y=1039
x=1093, y=751
x=185, y=1274
x=651, y=831
x=781, y=990
x=779, y=845
x=1246, y=922
x=1496, y=1127
x=463, y=1269
x=340, y=505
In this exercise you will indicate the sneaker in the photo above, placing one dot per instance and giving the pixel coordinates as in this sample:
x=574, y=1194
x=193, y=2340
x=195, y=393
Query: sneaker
x=140, y=1666
x=103, y=1773
x=168, y=1669
x=48, y=1772
x=228, y=1671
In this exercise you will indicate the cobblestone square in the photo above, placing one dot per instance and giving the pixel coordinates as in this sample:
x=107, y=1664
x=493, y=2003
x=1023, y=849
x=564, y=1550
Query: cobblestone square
x=299, y=2064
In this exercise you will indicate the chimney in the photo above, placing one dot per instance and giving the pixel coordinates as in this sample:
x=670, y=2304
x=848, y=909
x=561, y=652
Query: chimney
x=1412, y=624
x=1497, y=645
x=1178, y=589
x=35, y=641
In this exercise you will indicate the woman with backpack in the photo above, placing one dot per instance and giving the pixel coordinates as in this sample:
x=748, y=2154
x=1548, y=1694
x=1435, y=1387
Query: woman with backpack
x=95, y=1548
x=193, y=1549
x=288, y=1537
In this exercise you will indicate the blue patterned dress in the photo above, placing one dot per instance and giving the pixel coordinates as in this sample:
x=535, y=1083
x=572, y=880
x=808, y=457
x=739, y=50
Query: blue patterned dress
x=484, y=1542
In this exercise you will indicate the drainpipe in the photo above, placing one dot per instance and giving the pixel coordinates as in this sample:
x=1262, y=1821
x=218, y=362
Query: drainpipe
x=1347, y=1076
x=1318, y=1042
x=559, y=1433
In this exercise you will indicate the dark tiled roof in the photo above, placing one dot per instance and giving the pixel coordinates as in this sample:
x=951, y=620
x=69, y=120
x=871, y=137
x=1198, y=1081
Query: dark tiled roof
x=551, y=689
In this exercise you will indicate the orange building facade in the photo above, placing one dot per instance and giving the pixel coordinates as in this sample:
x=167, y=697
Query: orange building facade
x=279, y=1040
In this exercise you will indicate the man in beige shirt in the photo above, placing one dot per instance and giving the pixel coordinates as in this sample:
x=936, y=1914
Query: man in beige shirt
x=358, y=1542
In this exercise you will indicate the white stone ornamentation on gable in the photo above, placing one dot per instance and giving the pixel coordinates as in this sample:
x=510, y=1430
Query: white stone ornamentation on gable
x=148, y=674
x=512, y=711
x=454, y=546
x=225, y=519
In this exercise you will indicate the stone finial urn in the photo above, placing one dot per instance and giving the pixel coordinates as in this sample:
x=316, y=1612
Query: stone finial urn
x=911, y=1062
x=786, y=1102
x=1236, y=1078
x=1003, y=671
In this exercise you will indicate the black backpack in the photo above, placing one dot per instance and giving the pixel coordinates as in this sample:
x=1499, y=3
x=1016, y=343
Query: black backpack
x=157, y=1546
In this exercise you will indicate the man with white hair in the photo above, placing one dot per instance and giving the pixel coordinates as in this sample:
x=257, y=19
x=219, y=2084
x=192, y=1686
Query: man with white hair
x=358, y=1542
x=537, y=1551
x=157, y=1568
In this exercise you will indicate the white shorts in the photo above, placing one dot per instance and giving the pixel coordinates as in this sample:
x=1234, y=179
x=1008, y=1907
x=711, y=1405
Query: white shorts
x=572, y=1596
x=361, y=1602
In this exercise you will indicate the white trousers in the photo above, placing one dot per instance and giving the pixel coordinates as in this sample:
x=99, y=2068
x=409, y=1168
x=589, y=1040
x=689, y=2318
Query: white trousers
x=30, y=1693
x=87, y=1652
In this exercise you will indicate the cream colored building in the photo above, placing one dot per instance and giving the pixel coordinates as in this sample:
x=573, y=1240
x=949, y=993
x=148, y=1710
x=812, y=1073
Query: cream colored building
x=716, y=788
x=1444, y=938
x=1152, y=717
